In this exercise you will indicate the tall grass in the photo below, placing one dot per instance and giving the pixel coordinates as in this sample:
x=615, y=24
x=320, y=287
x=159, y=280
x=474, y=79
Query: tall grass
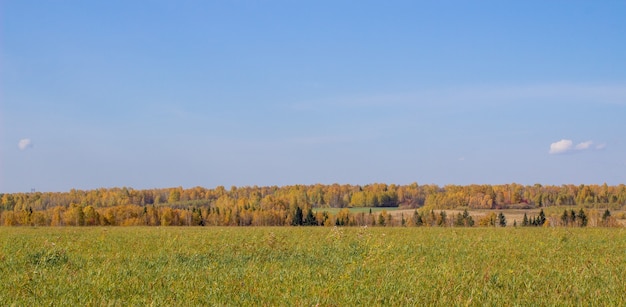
x=310, y=266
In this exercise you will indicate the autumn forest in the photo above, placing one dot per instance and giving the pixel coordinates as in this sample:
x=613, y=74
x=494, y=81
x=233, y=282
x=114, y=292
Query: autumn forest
x=288, y=205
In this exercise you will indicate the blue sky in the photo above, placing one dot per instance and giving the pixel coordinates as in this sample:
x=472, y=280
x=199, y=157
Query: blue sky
x=151, y=94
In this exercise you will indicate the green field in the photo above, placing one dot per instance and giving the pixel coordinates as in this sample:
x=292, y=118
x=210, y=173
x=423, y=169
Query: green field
x=309, y=266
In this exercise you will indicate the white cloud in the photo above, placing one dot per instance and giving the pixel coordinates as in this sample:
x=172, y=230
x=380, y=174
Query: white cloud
x=584, y=145
x=567, y=146
x=561, y=146
x=24, y=144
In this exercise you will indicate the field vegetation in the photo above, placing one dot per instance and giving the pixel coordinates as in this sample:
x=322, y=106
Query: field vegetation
x=304, y=266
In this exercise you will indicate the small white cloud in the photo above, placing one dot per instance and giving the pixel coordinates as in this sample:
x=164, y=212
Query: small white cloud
x=24, y=144
x=462, y=159
x=560, y=147
x=567, y=146
x=584, y=145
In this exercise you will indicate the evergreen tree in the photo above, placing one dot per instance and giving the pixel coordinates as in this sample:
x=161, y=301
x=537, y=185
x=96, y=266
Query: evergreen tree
x=464, y=219
x=443, y=218
x=501, y=220
x=459, y=221
x=381, y=220
x=565, y=218
x=468, y=220
x=309, y=220
x=525, y=220
x=417, y=218
x=297, y=217
x=605, y=217
x=572, y=217
x=542, y=218
x=582, y=217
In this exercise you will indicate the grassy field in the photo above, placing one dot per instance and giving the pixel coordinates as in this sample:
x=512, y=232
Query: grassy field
x=310, y=266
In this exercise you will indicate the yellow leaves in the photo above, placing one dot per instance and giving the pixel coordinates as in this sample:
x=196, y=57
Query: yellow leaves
x=490, y=219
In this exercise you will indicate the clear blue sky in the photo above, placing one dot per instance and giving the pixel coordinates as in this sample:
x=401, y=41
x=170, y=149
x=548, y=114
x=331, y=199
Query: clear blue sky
x=151, y=94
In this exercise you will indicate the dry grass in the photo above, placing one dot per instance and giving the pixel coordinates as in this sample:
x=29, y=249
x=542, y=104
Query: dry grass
x=309, y=266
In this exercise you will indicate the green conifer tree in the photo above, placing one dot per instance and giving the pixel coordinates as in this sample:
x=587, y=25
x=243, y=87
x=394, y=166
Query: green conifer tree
x=309, y=219
x=605, y=217
x=297, y=217
x=542, y=218
x=443, y=219
x=501, y=220
x=381, y=220
x=565, y=218
x=582, y=218
x=525, y=220
x=417, y=218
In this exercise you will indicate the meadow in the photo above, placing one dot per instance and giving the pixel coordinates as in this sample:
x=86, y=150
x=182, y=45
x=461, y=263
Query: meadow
x=355, y=210
x=307, y=266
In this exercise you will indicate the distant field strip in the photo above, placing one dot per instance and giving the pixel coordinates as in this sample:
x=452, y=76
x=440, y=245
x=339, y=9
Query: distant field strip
x=307, y=266
x=358, y=210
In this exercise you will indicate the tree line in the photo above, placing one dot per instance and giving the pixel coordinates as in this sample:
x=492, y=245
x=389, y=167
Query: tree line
x=132, y=215
x=292, y=205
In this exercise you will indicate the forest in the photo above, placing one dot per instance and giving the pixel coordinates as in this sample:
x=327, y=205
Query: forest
x=286, y=205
